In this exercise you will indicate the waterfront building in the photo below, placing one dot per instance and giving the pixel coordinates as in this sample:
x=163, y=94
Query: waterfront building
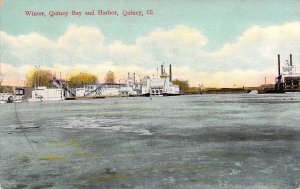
x=46, y=94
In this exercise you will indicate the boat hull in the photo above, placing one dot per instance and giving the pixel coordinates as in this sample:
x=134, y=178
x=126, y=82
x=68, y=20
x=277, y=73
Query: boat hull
x=169, y=94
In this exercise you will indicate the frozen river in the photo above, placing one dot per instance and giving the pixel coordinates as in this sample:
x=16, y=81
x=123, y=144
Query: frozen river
x=205, y=141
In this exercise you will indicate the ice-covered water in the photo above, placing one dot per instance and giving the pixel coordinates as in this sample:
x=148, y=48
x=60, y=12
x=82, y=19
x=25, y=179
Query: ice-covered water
x=205, y=141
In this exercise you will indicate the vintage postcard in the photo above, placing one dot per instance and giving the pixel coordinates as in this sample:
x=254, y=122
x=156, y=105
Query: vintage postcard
x=149, y=94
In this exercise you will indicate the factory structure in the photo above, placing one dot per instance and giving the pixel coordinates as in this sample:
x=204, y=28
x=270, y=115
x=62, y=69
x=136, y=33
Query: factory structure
x=288, y=80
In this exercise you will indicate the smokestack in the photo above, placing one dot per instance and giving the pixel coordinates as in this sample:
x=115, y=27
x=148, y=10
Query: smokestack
x=278, y=64
x=133, y=77
x=161, y=69
x=265, y=81
x=170, y=72
x=128, y=76
x=291, y=59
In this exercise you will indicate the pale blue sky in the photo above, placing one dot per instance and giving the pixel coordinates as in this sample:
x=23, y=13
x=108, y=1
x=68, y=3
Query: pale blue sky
x=221, y=21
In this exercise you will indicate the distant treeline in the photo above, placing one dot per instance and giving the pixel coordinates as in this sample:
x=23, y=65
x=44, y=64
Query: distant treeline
x=39, y=77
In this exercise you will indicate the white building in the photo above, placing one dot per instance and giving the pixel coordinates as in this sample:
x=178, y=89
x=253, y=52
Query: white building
x=45, y=94
x=109, y=91
x=80, y=92
x=17, y=96
x=4, y=97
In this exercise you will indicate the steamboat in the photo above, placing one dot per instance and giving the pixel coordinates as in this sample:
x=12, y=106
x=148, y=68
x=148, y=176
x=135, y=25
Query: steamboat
x=288, y=80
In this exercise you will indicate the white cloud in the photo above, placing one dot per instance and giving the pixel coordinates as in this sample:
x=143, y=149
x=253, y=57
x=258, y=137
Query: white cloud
x=81, y=40
x=179, y=46
x=24, y=49
x=258, y=47
x=126, y=55
x=82, y=48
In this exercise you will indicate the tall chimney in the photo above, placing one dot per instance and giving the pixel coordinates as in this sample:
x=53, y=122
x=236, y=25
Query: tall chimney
x=170, y=72
x=128, y=76
x=162, y=69
x=133, y=77
x=265, y=81
x=291, y=59
x=278, y=64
